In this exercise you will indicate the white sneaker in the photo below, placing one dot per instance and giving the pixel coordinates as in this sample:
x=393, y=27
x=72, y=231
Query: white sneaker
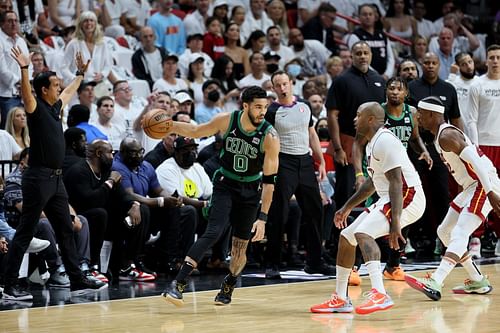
x=475, y=248
x=497, y=249
x=37, y=245
x=408, y=248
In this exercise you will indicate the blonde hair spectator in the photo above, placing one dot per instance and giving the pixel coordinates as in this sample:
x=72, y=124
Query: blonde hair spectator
x=80, y=33
x=17, y=126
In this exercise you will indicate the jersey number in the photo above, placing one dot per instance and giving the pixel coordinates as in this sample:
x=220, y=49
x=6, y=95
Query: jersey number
x=240, y=163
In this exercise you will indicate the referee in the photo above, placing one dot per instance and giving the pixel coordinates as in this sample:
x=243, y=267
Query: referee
x=42, y=185
x=292, y=119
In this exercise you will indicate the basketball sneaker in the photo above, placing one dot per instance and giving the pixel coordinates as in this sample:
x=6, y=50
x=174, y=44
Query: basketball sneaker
x=474, y=287
x=397, y=274
x=354, y=278
x=94, y=271
x=132, y=273
x=426, y=285
x=226, y=291
x=333, y=305
x=173, y=293
x=375, y=301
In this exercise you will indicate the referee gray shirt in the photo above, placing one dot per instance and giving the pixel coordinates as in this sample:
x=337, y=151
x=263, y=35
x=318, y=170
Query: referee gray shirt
x=292, y=123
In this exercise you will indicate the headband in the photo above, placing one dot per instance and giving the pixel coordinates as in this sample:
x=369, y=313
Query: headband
x=431, y=107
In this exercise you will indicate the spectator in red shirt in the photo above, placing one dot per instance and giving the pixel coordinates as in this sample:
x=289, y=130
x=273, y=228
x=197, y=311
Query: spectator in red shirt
x=213, y=42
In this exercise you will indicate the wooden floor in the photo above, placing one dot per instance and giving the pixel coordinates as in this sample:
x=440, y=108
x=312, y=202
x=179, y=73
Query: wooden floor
x=274, y=308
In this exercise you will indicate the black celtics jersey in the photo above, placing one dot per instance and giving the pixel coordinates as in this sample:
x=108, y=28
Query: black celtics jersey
x=378, y=45
x=402, y=127
x=242, y=153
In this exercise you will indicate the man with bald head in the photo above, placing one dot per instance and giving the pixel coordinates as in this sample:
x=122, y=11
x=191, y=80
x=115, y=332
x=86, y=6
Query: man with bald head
x=147, y=60
x=401, y=202
x=160, y=210
x=431, y=85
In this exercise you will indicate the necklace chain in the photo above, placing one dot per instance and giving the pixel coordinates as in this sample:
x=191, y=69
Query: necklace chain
x=91, y=169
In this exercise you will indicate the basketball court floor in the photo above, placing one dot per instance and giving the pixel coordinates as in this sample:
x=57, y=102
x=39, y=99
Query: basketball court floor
x=258, y=305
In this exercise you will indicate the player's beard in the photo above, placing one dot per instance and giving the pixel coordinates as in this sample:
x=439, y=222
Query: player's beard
x=466, y=75
x=255, y=122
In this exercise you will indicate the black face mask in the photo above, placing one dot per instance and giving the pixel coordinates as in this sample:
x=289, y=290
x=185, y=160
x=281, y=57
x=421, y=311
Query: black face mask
x=213, y=96
x=323, y=134
x=187, y=159
x=106, y=164
x=271, y=68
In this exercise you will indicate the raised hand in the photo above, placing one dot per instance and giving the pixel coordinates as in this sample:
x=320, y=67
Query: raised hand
x=19, y=57
x=80, y=65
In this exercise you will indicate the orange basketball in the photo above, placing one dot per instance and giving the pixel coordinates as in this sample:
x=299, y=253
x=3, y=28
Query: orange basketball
x=156, y=123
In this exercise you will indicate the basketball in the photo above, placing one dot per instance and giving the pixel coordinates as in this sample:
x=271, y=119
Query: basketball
x=156, y=123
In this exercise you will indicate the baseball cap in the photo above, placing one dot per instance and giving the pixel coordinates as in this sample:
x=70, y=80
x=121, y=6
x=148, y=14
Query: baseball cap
x=85, y=84
x=194, y=57
x=194, y=36
x=271, y=54
x=182, y=97
x=219, y=3
x=171, y=57
x=209, y=82
x=181, y=142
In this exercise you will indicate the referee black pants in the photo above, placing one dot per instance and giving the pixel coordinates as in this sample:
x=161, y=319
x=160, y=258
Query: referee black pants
x=43, y=189
x=295, y=176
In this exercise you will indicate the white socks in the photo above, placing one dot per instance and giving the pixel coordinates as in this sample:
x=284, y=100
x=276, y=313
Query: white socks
x=342, y=281
x=472, y=270
x=376, y=275
x=445, y=267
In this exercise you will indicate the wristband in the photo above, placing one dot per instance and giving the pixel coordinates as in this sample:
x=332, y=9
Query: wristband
x=136, y=203
x=358, y=174
x=161, y=201
x=25, y=67
x=337, y=149
x=262, y=216
x=79, y=72
x=110, y=183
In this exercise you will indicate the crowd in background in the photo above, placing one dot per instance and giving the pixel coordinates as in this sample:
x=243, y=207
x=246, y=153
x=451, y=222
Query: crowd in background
x=193, y=58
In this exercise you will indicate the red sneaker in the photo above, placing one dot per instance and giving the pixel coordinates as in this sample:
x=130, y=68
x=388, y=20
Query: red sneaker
x=131, y=273
x=375, y=301
x=334, y=305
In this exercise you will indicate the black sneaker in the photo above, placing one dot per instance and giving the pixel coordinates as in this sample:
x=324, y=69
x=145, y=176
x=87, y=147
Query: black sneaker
x=16, y=293
x=322, y=268
x=226, y=290
x=173, y=293
x=273, y=273
x=85, y=285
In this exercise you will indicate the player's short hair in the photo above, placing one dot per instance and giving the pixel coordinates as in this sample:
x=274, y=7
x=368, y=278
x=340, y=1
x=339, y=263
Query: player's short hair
x=251, y=93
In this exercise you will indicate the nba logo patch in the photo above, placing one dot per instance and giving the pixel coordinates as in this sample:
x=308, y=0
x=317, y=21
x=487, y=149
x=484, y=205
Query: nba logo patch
x=407, y=120
x=301, y=109
x=256, y=141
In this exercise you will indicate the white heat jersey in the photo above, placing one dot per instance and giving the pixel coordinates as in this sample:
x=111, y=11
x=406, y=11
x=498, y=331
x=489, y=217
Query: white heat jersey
x=385, y=152
x=460, y=170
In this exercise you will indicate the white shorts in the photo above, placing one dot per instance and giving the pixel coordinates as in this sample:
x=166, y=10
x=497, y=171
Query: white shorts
x=474, y=199
x=375, y=220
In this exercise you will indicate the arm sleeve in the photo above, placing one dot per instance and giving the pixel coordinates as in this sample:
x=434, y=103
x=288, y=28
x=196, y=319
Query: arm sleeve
x=470, y=155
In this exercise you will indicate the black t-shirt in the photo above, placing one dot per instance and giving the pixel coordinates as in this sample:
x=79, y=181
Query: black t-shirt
x=421, y=88
x=351, y=89
x=46, y=135
x=157, y=155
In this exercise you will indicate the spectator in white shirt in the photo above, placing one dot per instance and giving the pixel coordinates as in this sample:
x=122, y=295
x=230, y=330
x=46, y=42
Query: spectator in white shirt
x=10, y=73
x=194, y=45
x=312, y=53
x=462, y=76
x=126, y=112
x=105, y=111
x=89, y=41
x=425, y=27
x=194, y=23
x=169, y=82
x=255, y=20
x=274, y=44
x=258, y=72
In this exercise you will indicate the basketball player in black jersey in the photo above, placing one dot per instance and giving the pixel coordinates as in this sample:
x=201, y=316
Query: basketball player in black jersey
x=249, y=162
